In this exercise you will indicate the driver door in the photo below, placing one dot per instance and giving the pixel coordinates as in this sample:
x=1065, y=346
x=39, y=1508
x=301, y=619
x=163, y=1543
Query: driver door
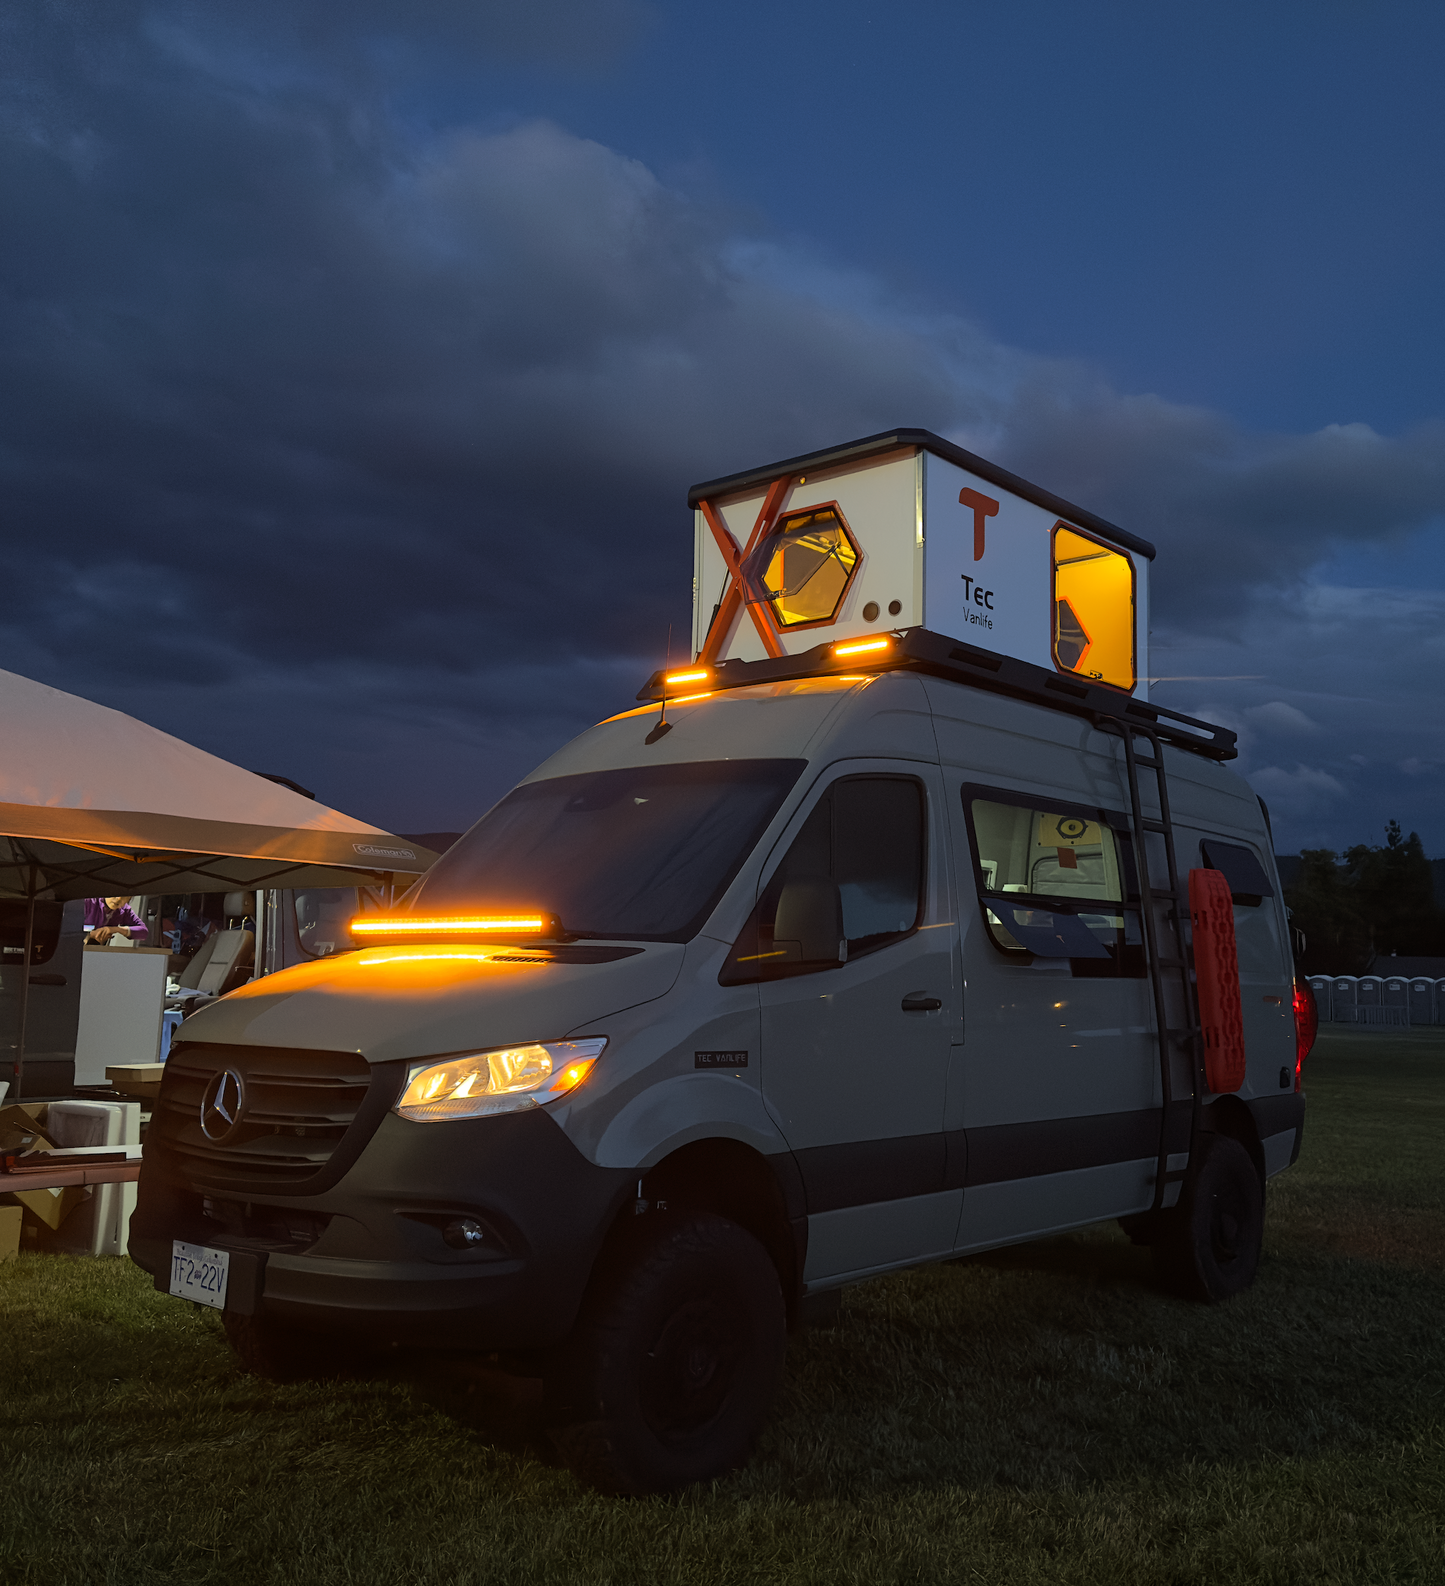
x=852, y=944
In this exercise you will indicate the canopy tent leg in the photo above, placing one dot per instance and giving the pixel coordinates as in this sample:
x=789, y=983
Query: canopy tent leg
x=25, y=984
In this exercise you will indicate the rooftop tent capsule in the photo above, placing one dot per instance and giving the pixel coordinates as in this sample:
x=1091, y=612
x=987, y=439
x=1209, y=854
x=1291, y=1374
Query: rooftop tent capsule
x=904, y=530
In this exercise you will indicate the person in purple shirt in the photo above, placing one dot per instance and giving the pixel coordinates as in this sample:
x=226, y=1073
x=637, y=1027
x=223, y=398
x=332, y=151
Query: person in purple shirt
x=107, y=917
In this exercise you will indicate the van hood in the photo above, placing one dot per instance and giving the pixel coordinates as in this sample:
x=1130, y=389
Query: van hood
x=422, y=1001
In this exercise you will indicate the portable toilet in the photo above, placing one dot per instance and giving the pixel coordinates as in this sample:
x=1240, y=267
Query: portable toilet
x=1422, y=1001
x=1345, y=997
x=907, y=530
x=1395, y=994
x=1322, y=985
x=1440, y=1001
x=1368, y=995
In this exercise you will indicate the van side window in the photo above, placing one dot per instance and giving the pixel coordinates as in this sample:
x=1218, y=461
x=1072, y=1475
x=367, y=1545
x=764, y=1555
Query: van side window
x=1049, y=853
x=851, y=882
x=1055, y=882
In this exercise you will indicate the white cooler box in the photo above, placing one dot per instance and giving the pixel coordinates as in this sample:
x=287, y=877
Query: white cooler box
x=101, y=1226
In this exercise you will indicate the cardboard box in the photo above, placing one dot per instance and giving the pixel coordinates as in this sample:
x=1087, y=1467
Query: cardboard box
x=49, y=1206
x=52, y=1206
x=22, y=1115
x=10, y=1219
x=137, y=1079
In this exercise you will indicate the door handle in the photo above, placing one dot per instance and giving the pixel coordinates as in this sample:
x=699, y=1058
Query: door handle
x=916, y=1002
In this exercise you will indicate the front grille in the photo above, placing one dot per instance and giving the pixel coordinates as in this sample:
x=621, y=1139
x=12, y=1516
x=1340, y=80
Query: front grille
x=266, y=1227
x=297, y=1106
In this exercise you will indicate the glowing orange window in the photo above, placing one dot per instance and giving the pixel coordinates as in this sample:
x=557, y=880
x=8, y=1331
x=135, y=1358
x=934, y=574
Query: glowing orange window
x=803, y=569
x=1093, y=609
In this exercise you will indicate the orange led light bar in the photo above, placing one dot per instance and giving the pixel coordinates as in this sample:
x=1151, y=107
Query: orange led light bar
x=859, y=646
x=417, y=924
x=700, y=676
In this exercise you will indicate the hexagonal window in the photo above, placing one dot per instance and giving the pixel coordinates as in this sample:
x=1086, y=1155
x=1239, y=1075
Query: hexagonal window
x=803, y=569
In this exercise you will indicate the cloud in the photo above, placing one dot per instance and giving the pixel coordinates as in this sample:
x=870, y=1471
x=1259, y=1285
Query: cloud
x=347, y=394
x=1230, y=509
x=1361, y=666
x=1277, y=716
x=325, y=436
x=1301, y=792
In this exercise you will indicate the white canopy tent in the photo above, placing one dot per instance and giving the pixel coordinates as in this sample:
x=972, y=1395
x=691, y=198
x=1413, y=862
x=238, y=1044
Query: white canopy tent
x=94, y=803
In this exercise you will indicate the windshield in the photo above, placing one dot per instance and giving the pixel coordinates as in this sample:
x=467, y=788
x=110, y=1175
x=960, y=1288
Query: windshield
x=641, y=853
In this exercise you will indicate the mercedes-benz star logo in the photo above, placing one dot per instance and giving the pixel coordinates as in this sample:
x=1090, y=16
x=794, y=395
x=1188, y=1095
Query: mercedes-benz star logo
x=222, y=1104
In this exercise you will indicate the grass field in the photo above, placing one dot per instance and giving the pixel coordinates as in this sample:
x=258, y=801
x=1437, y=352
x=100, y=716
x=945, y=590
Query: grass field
x=1044, y=1414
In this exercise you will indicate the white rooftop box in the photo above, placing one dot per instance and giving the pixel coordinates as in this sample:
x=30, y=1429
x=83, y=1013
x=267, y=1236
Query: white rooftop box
x=906, y=530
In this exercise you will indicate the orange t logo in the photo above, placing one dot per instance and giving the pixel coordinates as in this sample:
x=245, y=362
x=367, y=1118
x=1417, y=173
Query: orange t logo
x=983, y=507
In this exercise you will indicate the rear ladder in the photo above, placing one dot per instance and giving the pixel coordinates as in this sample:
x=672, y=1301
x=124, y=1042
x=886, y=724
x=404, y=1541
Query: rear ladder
x=1164, y=911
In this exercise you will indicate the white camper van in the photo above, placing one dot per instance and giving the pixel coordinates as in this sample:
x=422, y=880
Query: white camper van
x=822, y=963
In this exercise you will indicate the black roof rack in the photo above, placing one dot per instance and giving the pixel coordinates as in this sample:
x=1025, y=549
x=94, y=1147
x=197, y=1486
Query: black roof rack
x=919, y=650
x=890, y=440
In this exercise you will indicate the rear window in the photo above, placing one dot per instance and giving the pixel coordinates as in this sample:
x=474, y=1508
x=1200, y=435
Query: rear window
x=643, y=853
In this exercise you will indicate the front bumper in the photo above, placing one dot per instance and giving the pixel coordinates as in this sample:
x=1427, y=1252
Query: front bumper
x=365, y=1257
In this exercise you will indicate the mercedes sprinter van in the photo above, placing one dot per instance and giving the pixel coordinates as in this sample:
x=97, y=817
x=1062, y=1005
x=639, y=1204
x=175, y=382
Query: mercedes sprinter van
x=848, y=961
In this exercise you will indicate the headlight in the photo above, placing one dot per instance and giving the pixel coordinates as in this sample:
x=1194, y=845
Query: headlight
x=504, y=1079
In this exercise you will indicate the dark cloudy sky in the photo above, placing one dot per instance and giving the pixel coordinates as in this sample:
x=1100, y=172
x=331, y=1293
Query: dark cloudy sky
x=357, y=354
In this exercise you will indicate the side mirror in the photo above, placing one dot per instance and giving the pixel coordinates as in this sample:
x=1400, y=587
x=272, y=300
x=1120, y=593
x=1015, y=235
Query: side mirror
x=810, y=917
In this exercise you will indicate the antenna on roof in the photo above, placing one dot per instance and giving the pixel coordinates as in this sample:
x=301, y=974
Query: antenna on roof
x=664, y=726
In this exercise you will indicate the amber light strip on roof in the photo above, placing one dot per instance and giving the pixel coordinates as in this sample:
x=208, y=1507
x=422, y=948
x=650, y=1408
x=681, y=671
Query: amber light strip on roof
x=860, y=646
x=390, y=925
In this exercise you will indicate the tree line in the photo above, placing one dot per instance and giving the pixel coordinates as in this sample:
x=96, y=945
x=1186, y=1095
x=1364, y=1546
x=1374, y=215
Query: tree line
x=1368, y=902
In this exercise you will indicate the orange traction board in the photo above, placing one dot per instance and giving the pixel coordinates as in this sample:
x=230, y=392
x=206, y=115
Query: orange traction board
x=1216, y=967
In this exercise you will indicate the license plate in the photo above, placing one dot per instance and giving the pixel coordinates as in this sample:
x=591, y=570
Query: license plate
x=199, y=1273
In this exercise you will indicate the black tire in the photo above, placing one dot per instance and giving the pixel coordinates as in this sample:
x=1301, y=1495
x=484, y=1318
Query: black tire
x=676, y=1358
x=1211, y=1250
x=270, y=1349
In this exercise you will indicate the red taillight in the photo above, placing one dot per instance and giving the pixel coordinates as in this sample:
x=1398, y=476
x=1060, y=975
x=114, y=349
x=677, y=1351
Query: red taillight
x=1306, y=1025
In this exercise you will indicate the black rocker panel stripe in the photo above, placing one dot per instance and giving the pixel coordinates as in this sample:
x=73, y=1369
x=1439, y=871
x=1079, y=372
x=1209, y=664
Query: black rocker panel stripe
x=865, y=1171
x=1007, y=1151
